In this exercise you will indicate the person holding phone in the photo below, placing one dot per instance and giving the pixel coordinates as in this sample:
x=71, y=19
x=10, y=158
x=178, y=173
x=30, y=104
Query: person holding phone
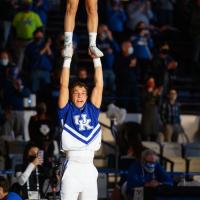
x=31, y=174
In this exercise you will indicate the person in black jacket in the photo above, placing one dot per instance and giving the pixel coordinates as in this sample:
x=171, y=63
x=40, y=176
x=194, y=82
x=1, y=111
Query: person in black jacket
x=31, y=173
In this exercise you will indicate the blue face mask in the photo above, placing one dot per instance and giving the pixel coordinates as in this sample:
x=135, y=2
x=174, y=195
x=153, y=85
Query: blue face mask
x=149, y=166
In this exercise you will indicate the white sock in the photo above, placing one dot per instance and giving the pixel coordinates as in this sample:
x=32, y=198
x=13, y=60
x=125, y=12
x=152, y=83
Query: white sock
x=92, y=38
x=67, y=62
x=68, y=38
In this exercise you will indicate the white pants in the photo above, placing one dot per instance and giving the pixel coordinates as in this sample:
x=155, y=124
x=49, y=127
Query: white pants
x=79, y=181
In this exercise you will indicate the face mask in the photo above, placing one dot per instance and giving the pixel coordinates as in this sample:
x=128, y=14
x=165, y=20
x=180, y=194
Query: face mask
x=4, y=61
x=39, y=40
x=149, y=167
x=130, y=50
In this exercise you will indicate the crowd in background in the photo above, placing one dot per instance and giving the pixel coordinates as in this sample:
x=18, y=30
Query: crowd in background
x=139, y=65
x=140, y=60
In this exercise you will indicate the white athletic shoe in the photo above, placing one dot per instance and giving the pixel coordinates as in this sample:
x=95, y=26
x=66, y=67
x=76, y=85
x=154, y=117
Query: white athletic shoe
x=94, y=51
x=68, y=51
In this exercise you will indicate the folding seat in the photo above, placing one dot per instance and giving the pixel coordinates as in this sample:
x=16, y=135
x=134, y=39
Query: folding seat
x=192, y=155
x=173, y=152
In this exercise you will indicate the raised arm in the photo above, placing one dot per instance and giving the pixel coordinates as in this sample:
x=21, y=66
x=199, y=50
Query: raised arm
x=64, y=84
x=97, y=91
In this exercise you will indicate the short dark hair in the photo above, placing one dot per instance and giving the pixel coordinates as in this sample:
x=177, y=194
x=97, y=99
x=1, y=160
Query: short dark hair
x=79, y=84
x=4, y=184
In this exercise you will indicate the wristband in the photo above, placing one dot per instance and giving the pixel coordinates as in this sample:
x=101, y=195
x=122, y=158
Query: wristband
x=67, y=62
x=97, y=62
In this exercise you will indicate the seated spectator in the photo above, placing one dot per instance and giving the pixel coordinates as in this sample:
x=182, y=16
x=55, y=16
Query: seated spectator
x=41, y=129
x=110, y=48
x=39, y=60
x=4, y=191
x=146, y=173
x=31, y=173
x=171, y=117
x=150, y=111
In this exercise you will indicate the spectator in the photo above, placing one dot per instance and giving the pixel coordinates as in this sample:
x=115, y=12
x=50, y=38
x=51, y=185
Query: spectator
x=4, y=191
x=58, y=51
x=170, y=116
x=139, y=11
x=147, y=173
x=150, y=113
x=6, y=64
x=142, y=44
x=31, y=174
x=194, y=28
x=117, y=19
x=126, y=72
x=164, y=69
x=39, y=60
x=49, y=95
x=110, y=48
x=14, y=92
x=84, y=77
x=41, y=129
x=166, y=12
x=7, y=12
x=41, y=8
x=25, y=23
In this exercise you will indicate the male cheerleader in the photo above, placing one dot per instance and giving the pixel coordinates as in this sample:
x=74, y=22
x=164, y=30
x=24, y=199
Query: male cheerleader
x=92, y=24
x=81, y=134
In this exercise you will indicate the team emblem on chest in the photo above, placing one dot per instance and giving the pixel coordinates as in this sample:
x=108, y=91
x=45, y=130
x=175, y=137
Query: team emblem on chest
x=83, y=122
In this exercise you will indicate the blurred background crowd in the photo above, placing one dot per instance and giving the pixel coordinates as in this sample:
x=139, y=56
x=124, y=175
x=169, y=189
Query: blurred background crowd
x=151, y=65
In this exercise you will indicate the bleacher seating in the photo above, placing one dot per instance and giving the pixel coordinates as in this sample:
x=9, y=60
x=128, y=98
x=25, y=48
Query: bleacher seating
x=192, y=154
x=173, y=152
x=153, y=146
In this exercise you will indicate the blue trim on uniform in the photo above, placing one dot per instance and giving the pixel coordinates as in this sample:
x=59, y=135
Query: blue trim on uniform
x=80, y=139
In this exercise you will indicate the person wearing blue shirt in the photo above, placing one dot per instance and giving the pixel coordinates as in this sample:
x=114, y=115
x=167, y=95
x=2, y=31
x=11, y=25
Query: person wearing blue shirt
x=4, y=193
x=147, y=173
x=117, y=19
x=81, y=133
x=39, y=60
x=41, y=7
x=110, y=48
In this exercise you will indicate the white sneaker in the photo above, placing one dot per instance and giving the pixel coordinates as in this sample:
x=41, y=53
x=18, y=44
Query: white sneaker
x=68, y=51
x=94, y=51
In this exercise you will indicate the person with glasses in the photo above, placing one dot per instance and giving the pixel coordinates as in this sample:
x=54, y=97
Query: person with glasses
x=81, y=134
x=146, y=172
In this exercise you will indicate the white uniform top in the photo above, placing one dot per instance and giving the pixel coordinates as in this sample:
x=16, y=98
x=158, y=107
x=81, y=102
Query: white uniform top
x=81, y=130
